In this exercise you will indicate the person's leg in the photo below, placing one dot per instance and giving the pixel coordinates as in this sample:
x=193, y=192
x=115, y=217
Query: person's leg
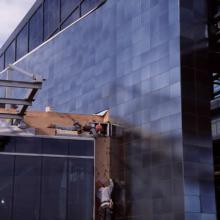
x=93, y=132
x=101, y=214
x=108, y=213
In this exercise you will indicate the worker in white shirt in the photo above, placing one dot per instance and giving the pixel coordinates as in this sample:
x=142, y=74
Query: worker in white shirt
x=104, y=194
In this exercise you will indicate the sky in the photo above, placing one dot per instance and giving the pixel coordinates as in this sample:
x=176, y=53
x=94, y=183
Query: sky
x=12, y=12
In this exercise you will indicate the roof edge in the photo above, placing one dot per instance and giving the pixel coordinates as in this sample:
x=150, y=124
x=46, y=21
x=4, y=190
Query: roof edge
x=19, y=27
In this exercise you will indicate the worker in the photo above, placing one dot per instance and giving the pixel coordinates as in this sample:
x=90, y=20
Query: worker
x=75, y=127
x=99, y=128
x=90, y=127
x=22, y=125
x=104, y=195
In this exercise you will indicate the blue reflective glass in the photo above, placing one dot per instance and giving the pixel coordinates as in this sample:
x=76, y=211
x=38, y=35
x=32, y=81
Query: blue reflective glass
x=7, y=144
x=36, y=29
x=51, y=17
x=67, y=6
x=80, y=182
x=22, y=42
x=6, y=186
x=10, y=54
x=73, y=17
x=54, y=181
x=2, y=62
x=81, y=148
x=87, y=5
x=55, y=146
x=29, y=145
x=45, y=187
x=26, y=202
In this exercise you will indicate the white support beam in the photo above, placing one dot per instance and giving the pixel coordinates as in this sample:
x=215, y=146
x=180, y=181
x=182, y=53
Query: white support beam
x=24, y=72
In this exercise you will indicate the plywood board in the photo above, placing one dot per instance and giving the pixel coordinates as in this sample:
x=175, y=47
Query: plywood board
x=41, y=120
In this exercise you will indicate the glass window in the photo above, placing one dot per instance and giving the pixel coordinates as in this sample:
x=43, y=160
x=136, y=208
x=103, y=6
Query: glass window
x=51, y=17
x=28, y=145
x=2, y=62
x=81, y=148
x=55, y=146
x=36, y=29
x=73, y=17
x=22, y=42
x=27, y=188
x=46, y=188
x=80, y=185
x=6, y=179
x=54, y=181
x=7, y=144
x=10, y=54
x=67, y=6
x=88, y=5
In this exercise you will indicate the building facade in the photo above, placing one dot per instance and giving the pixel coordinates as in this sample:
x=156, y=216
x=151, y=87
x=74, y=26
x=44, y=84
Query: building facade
x=147, y=62
x=44, y=20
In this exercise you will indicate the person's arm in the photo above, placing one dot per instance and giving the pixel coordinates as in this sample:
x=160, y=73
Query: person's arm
x=111, y=185
x=98, y=194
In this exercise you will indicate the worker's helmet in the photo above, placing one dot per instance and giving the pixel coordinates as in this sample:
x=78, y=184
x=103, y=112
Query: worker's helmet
x=99, y=127
x=100, y=183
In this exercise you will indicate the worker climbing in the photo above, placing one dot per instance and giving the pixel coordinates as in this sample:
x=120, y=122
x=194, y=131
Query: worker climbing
x=104, y=192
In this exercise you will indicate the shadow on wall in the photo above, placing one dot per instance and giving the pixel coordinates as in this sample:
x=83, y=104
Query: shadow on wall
x=141, y=166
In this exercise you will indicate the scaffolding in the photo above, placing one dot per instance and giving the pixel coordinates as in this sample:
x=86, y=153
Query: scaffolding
x=22, y=104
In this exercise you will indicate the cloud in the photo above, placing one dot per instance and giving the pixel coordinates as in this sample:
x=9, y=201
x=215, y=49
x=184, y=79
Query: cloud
x=12, y=12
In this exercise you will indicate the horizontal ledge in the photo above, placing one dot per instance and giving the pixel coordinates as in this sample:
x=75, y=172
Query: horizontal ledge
x=15, y=101
x=47, y=155
x=10, y=116
x=20, y=84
